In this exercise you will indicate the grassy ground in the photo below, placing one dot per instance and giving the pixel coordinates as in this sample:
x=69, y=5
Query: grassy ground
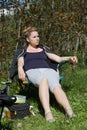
x=75, y=86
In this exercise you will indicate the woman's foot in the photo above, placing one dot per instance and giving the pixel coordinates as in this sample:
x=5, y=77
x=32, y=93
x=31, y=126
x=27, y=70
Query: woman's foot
x=69, y=112
x=49, y=117
x=71, y=116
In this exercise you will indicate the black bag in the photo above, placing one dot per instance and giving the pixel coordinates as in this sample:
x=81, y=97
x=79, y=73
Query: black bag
x=6, y=100
x=19, y=110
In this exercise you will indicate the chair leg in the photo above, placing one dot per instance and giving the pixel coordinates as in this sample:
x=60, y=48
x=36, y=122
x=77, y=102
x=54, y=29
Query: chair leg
x=1, y=114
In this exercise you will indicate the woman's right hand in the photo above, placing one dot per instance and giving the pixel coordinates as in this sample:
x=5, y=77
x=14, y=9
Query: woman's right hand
x=21, y=74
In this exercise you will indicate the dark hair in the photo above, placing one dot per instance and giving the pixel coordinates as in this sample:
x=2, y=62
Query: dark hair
x=27, y=31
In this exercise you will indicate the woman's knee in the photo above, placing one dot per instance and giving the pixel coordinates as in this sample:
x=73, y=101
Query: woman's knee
x=57, y=89
x=44, y=80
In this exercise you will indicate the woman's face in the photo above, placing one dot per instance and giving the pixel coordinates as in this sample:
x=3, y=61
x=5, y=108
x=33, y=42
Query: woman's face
x=34, y=38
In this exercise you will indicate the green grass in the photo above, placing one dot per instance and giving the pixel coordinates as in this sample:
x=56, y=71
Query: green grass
x=75, y=86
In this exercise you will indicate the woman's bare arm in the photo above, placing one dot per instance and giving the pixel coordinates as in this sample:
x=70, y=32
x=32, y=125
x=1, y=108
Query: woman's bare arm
x=59, y=59
x=21, y=73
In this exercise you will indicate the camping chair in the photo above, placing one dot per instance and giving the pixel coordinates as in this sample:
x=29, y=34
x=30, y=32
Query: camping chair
x=13, y=73
x=29, y=84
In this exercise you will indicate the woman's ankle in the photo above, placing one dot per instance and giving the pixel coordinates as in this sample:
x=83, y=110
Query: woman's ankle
x=69, y=112
x=48, y=115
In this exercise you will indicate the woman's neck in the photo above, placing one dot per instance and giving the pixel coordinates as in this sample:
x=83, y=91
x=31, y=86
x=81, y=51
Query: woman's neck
x=33, y=49
x=33, y=46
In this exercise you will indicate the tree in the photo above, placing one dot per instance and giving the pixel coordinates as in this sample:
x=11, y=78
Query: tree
x=62, y=26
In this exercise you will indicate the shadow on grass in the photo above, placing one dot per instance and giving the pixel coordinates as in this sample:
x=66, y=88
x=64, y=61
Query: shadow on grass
x=6, y=126
x=31, y=92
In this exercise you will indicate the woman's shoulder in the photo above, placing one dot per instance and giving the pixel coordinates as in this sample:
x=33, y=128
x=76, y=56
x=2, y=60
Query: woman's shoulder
x=45, y=48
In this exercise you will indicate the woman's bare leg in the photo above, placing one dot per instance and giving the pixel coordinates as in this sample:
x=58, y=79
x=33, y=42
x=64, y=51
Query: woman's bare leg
x=62, y=100
x=44, y=98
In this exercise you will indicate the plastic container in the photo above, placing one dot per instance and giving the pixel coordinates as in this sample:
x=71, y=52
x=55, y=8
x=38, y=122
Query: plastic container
x=20, y=99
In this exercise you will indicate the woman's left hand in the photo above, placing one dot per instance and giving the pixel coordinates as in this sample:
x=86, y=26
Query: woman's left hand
x=74, y=59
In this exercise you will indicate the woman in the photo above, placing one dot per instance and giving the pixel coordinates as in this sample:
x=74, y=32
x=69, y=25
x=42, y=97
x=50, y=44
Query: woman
x=34, y=64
